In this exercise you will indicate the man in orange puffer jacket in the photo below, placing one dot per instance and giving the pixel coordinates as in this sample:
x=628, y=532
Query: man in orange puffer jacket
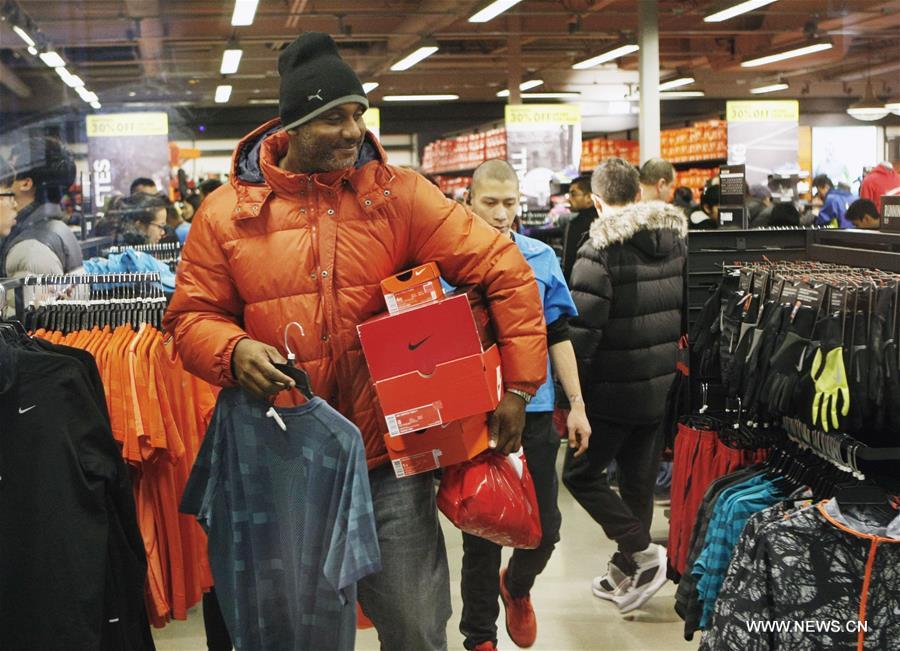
x=312, y=219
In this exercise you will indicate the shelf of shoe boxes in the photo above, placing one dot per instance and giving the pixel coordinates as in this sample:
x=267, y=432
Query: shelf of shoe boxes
x=451, y=156
x=695, y=179
x=435, y=368
x=597, y=150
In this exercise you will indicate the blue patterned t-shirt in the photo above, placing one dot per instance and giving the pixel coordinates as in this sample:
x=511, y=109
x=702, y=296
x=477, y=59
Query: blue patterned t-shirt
x=290, y=522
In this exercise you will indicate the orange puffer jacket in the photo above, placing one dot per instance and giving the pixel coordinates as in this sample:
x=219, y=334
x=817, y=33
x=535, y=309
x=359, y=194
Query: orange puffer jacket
x=274, y=247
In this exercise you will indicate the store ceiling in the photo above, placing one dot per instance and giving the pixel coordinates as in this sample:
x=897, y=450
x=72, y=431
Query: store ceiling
x=135, y=52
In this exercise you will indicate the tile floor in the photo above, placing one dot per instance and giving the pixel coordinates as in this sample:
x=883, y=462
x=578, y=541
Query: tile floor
x=570, y=618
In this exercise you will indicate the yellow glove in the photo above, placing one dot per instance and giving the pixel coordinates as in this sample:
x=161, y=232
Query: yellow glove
x=831, y=388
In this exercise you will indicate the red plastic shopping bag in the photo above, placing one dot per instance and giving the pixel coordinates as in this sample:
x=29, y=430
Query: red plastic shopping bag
x=492, y=496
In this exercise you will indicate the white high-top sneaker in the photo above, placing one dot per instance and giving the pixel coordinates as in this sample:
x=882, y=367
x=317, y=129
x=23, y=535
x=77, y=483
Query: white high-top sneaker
x=649, y=577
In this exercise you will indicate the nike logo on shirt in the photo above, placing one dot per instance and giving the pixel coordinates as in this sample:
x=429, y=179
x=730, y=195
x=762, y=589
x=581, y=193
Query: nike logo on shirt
x=414, y=346
x=26, y=410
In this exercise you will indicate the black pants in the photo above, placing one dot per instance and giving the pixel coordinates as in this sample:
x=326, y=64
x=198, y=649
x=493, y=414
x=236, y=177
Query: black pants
x=481, y=558
x=217, y=638
x=637, y=450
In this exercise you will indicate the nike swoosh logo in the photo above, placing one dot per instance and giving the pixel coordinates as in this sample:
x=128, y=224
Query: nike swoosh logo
x=24, y=411
x=414, y=346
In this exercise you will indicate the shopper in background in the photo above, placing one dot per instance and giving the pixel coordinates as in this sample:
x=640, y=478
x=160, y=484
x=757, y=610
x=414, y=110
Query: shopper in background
x=144, y=185
x=683, y=198
x=758, y=204
x=835, y=202
x=657, y=180
x=783, y=213
x=311, y=221
x=494, y=196
x=7, y=200
x=628, y=287
x=40, y=242
x=136, y=220
x=582, y=206
x=863, y=214
x=883, y=180
x=706, y=216
x=176, y=225
x=208, y=187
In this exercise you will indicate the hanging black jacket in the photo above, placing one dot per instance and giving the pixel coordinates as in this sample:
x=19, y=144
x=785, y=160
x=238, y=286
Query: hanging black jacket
x=72, y=562
x=628, y=286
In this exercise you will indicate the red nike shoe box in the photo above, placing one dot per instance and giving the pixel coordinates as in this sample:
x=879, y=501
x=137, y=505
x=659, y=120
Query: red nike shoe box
x=412, y=288
x=456, y=389
x=438, y=447
x=420, y=339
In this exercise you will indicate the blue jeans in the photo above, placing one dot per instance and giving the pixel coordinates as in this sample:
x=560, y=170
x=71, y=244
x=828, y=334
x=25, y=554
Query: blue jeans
x=408, y=601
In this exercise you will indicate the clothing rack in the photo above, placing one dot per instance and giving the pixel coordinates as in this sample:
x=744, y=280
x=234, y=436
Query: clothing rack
x=113, y=298
x=861, y=299
x=841, y=450
x=162, y=248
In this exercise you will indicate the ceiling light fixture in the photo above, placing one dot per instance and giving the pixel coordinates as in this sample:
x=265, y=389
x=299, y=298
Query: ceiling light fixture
x=551, y=95
x=525, y=85
x=269, y=101
x=23, y=35
x=95, y=105
x=52, y=59
x=493, y=10
x=621, y=51
x=369, y=86
x=868, y=108
x=420, y=98
x=244, y=12
x=787, y=54
x=70, y=80
x=736, y=10
x=771, y=88
x=676, y=83
x=87, y=95
x=223, y=93
x=422, y=52
x=32, y=51
x=677, y=94
x=231, y=61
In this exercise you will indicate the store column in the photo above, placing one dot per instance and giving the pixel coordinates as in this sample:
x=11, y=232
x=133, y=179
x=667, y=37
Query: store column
x=648, y=121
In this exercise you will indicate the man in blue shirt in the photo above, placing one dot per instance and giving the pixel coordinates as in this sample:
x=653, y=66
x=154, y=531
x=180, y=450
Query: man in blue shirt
x=835, y=203
x=494, y=196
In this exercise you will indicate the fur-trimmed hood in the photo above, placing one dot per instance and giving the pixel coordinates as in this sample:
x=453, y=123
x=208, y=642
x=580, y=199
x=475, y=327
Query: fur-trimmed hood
x=653, y=227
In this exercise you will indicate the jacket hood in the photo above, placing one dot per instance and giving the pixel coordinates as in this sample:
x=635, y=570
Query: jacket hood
x=885, y=170
x=653, y=227
x=255, y=173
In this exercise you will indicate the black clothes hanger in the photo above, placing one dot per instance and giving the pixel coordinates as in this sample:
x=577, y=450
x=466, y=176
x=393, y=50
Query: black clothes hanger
x=300, y=377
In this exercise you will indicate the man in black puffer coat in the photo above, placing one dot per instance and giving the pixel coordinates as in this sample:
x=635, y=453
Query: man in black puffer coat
x=628, y=285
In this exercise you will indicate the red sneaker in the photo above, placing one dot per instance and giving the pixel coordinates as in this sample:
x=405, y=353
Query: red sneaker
x=485, y=646
x=520, y=621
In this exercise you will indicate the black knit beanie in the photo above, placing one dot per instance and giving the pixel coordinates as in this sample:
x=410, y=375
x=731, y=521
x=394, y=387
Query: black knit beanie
x=314, y=79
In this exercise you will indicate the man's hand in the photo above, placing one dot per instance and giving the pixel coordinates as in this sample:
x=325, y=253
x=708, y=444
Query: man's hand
x=252, y=364
x=579, y=429
x=506, y=424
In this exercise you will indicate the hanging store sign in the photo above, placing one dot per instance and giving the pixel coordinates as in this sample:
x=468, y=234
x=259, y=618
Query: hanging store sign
x=123, y=147
x=764, y=136
x=543, y=144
